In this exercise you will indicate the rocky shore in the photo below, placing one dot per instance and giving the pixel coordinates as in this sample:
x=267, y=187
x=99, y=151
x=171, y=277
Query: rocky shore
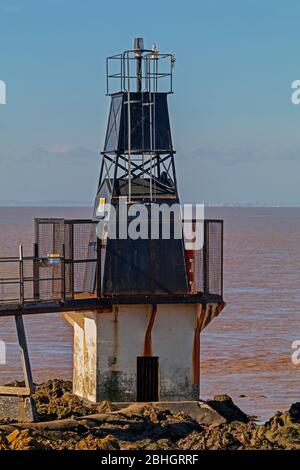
x=67, y=423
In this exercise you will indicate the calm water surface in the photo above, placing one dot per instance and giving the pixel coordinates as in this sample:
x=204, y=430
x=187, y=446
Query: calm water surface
x=246, y=351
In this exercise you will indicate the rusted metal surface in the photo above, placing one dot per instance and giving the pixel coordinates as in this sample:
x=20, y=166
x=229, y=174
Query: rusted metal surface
x=196, y=346
x=114, y=358
x=212, y=311
x=148, y=336
x=205, y=315
x=190, y=267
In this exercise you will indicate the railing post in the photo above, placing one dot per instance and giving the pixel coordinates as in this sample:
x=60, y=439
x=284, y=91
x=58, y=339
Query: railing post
x=36, y=284
x=98, y=269
x=63, y=275
x=206, y=259
x=71, y=235
x=21, y=275
x=222, y=257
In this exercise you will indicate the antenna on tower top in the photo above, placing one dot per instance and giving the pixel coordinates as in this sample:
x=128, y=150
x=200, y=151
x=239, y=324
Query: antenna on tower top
x=139, y=47
x=139, y=44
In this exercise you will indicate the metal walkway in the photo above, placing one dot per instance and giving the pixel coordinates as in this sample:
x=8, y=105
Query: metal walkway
x=65, y=272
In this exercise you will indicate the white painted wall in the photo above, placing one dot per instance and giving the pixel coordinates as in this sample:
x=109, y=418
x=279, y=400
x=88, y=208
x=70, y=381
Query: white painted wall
x=107, y=344
x=172, y=340
x=120, y=340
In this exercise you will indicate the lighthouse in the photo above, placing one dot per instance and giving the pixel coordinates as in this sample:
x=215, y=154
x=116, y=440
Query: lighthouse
x=141, y=279
x=156, y=294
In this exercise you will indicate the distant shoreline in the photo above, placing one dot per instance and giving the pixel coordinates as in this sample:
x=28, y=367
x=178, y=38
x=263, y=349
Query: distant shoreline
x=88, y=206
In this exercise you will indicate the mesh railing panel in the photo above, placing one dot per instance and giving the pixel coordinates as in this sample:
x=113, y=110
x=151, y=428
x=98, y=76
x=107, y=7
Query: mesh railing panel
x=84, y=235
x=9, y=281
x=83, y=249
x=204, y=256
x=78, y=240
x=49, y=236
x=193, y=241
x=42, y=281
x=47, y=282
x=214, y=254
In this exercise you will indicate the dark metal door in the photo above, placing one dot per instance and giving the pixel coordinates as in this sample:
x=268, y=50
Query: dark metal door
x=147, y=379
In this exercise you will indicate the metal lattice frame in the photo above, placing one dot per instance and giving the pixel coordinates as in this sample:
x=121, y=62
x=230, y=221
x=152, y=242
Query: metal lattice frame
x=140, y=76
x=115, y=167
x=154, y=68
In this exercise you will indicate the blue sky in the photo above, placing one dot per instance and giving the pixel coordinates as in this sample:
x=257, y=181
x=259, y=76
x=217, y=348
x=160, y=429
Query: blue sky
x=234, y=126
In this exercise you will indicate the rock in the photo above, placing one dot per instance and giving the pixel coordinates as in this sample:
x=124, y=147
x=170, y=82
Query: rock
x=260, y=441
x=148, y=444
x=178, y=425
x=155, y=415
x=23, y=440
x=242, y=432
x=194, y=441
x=105, y=406
x=221, y=439
x=165, y=444
x=224, y=405
x=217, y=424
x=54, y=400
x=139, y=444
x=232, y=436
x=201, y=412
x=91, y=443
x=161, y=444
x=3, y=442
x=161, y=424
x=53, y=388
x=132, y=410
x=283, y=430
x=295, y=412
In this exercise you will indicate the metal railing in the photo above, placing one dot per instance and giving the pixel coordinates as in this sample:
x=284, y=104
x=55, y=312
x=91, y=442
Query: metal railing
x=155, y=72
x=68, y=261
x=27, y=279
x=76, y=241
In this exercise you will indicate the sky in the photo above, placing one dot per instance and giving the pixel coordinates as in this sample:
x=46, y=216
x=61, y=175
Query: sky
x=235, y=128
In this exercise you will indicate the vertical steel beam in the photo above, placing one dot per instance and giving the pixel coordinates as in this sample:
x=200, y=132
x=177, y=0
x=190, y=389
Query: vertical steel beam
x=24, y=353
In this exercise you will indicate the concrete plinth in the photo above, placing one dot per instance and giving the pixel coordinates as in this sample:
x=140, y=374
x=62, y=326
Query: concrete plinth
x=107, y=343
x=21, y=409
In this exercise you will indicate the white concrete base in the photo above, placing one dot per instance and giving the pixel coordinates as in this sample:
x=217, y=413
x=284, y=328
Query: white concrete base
x=107, y=343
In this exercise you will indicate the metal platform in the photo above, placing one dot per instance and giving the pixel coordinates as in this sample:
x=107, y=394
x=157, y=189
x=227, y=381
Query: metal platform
x=65, y=272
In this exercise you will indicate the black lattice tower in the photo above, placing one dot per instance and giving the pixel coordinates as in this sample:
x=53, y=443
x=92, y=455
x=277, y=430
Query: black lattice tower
x=138, y=167
x=138, y=156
